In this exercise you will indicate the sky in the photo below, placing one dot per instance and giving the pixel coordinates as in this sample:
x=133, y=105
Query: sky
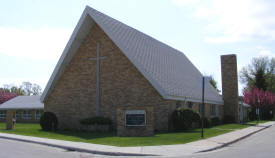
x=34, y=33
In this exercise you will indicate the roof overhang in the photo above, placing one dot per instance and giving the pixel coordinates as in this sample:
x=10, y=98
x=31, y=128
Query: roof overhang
x=194, y=100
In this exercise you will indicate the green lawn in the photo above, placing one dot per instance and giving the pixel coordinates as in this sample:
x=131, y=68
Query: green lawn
x=111, y=138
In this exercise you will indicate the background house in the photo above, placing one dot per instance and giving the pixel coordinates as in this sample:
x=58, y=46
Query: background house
x=28, y=108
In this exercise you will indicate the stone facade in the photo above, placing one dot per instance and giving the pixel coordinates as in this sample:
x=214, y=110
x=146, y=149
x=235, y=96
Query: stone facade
x=73, y=97
x=122, y=87
x=147, y=130
x=230, y=86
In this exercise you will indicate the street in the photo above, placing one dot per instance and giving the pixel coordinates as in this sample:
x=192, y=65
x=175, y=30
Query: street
x=17, y=149
x=261, y=144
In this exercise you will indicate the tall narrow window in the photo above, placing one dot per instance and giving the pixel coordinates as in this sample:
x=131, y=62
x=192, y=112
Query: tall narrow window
x=213, y=110
x=37, y=114
x=2, y=114
x=26, y=115
x=18, y=114
x=189, y=105
x=201, y=109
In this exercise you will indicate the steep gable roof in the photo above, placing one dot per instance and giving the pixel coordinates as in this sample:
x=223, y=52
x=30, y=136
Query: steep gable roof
x=167, y=69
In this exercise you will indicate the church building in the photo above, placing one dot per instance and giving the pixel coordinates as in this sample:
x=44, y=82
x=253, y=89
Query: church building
x=112, y=70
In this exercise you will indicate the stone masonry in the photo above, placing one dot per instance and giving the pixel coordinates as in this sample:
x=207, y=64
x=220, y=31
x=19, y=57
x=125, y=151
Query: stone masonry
x=147, y=130
x=73, y=97
x=122, y=87
x=230, y=86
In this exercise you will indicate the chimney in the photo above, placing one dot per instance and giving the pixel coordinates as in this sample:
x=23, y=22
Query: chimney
x=230, y=86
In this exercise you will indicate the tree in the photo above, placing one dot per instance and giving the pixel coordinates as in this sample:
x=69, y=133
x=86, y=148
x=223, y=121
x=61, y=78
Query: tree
x=5, y=96
x=26, y=88
x=260, y=80
x=258, y=98
x=36, y=89
x=260, y=73
x=17, y=90
x=214, y=83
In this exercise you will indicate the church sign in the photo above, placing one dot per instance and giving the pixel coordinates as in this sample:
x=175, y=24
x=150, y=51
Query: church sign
x=135, y=118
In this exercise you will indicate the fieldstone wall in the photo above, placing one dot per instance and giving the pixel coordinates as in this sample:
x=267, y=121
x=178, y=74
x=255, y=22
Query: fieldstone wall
x=230, y=85
x=73, y=97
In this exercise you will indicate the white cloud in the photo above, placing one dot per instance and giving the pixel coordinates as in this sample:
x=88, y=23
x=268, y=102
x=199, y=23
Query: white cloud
x=185, y=2
x=266, y=52
x=222, y=39
x=236, y=20
x=37, y=43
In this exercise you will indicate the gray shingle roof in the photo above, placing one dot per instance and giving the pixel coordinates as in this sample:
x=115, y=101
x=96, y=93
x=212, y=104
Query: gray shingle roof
x=23, y=102
x=166, y=68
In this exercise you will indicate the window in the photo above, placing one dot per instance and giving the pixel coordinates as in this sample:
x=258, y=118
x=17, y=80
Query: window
x=37, y=114
x=2, y=114
x=212, y=110
x=135, y=118
x=18, y=114
x=201, y=109
x=26, y=115
x=177, y=104
x=189, y=105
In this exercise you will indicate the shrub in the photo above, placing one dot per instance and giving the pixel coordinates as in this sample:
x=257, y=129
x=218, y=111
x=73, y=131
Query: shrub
x=48, y=121
x=215, y=121
x=206, y=123
x=228, y=119
x=182, y=119
x=98, y=120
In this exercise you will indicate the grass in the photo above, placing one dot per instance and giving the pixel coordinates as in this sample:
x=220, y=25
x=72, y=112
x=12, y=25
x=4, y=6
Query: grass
x=110, y=138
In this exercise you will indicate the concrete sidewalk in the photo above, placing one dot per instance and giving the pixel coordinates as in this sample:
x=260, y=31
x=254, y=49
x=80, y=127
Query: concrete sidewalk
x=162, y=150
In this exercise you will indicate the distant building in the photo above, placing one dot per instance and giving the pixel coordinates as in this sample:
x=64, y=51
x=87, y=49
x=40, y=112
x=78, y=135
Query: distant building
x=244, y=111
x=28, y=108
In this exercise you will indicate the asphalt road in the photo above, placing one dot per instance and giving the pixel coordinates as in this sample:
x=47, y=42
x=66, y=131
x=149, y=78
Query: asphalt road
x=17, y=149
x=259, y=145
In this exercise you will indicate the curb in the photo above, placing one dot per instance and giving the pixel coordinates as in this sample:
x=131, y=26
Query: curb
x=234, y=141
x=78, y=149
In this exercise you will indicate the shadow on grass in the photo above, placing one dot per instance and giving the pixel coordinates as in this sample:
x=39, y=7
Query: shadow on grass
x=95, y=135
x=82, y=135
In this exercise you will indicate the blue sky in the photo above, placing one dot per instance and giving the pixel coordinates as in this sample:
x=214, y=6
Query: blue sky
x=34, y=33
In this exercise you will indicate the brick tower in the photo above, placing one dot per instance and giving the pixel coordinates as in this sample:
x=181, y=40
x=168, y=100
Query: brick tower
x=230, y=86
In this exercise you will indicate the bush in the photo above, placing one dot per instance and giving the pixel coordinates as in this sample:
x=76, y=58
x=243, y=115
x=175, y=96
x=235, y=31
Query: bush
x=48, y=121
x=228, y=119
x=182, y=119
x=98, y=120
x=215, y=121
x=206, y=123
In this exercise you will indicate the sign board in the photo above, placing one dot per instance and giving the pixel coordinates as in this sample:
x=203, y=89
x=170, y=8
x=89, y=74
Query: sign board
x=135, y=117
